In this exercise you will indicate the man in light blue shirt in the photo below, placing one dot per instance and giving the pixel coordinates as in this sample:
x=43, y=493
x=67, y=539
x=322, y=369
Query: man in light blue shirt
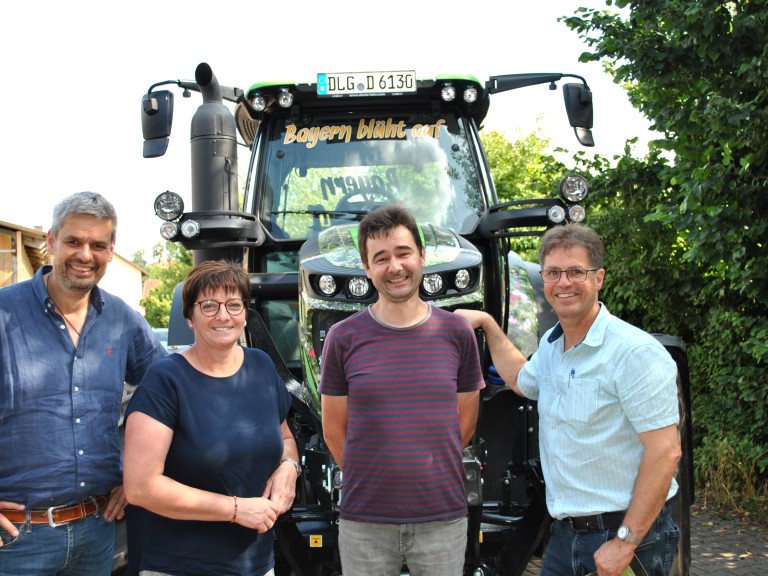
x=608, y=416
x=66, y=348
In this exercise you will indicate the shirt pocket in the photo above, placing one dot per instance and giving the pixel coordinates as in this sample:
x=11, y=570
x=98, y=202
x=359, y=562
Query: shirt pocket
x=584, y=401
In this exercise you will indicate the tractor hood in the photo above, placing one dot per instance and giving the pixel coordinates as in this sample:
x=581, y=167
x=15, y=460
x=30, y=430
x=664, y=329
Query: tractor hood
x=334, y=252
x=333, y=285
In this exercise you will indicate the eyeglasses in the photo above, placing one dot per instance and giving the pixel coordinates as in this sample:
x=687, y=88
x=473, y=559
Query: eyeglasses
x=550, y=276
x=234, y=306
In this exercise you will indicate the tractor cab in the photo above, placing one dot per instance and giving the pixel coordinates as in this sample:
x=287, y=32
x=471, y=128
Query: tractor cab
x=322, y=155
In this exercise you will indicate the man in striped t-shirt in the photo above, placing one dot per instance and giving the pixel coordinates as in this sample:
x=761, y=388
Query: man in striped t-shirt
x=400, y=393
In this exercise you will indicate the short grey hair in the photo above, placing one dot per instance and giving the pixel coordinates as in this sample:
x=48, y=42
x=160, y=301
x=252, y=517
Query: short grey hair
x=90, y=203
x=571, y=235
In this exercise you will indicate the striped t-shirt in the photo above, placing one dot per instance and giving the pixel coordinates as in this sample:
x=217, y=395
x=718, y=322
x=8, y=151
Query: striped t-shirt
x=402, y=456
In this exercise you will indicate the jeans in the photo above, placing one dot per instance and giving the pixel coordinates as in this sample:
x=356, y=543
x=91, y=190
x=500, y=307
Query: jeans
x=80, y=548
x=570, y=552
x=429, y=548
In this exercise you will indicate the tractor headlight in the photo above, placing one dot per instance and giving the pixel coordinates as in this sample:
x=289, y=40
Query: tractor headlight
x=574, y=188
x=259, y=103
x=327, y=284
x=462, y=279
x=285, y=98
x=169, y=206
x=432, y=284
x=448, y=93
x=358, y=286
x=556, y=214
x=190, y=228
x=169, y=230
x=576, y=213
x=470, y=94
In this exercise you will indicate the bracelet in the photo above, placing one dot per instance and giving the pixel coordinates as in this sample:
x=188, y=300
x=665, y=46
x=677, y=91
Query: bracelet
x=294, y=463
x=234, y=516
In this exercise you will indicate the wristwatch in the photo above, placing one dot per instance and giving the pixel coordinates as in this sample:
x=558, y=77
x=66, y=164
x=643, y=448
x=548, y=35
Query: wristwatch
x=624, y=533
x=295, y=464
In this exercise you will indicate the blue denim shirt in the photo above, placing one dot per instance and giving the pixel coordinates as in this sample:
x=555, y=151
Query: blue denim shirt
x=60, y=405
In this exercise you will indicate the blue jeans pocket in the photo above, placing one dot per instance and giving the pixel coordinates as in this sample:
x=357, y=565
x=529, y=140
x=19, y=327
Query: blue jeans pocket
x=7, y=539
x=656, y=554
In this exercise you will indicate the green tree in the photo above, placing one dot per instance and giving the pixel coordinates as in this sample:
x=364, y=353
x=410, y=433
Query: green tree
x=523, y=169
x=644, y=257
x=171, y=263
x=698, y=69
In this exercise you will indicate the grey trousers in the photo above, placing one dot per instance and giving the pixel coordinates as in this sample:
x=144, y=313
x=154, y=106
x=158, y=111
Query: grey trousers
x=429, y=548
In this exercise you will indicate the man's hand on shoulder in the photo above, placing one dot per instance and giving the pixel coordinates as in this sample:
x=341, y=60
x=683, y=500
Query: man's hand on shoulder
x=505, y=355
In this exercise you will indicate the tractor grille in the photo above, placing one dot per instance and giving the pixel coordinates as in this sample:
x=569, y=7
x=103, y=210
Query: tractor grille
x=505, y=419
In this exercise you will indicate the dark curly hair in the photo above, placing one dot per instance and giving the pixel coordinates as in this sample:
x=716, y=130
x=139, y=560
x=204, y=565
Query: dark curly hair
x=380, y=222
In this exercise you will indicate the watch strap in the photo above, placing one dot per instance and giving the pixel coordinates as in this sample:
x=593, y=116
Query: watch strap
x=295, y=464
x=628, y=536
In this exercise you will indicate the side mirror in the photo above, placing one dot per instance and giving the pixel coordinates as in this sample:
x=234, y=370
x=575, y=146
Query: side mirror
x=578, y=104
x=156, y=120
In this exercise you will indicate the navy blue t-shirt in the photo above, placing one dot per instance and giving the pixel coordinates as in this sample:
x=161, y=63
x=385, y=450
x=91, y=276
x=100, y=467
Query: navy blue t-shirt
x=226, y=439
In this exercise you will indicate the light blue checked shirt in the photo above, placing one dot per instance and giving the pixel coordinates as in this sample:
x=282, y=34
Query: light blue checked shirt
x=593, y=401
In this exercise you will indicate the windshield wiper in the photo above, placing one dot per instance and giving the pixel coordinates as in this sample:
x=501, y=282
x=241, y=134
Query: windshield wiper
x=358, y=214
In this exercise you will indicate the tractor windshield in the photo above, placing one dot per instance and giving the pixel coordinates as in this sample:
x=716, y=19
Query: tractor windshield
x=333, y=170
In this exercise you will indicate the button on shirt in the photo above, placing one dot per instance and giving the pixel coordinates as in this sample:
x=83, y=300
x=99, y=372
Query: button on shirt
x=60, y=405
x=593, y=401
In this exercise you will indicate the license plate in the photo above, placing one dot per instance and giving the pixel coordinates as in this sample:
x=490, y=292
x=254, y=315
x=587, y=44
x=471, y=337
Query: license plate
x=361, y=83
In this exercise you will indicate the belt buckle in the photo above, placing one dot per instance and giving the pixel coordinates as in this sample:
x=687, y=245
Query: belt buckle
x=51, y=522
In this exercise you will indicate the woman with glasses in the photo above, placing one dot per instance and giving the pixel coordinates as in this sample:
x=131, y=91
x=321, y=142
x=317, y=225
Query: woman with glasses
x=210, y=462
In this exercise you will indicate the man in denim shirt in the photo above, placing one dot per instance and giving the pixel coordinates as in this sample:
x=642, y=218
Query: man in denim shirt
x=66, y=349
x=608, y=416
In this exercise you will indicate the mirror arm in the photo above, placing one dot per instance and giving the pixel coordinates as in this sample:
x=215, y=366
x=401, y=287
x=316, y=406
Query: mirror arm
x=228, y=93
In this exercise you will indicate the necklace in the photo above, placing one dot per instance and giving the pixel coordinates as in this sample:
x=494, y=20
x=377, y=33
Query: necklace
x=56, y=307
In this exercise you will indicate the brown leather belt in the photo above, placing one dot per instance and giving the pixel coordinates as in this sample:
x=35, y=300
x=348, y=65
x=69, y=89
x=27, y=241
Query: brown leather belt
x=58, y=515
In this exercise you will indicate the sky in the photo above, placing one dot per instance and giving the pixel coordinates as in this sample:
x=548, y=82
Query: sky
x=74, y=74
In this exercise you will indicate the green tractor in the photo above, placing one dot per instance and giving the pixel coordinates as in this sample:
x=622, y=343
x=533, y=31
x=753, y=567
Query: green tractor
x=322, y=155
